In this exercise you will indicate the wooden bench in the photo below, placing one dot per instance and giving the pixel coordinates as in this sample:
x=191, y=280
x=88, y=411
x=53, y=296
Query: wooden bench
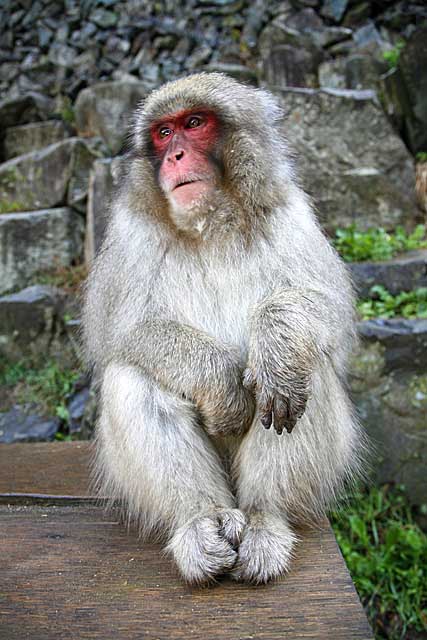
x=68, y=570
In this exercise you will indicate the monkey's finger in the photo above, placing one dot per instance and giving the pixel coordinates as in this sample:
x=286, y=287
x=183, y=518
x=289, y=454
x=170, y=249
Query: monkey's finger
x=267, y=419
x=280, y=413
x=266, y=410
x=290, y=424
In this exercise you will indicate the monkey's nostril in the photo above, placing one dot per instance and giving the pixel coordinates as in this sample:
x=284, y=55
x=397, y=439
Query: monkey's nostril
x=179, y=154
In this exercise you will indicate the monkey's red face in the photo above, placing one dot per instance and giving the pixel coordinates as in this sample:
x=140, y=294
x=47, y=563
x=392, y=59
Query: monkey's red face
x=184, y=143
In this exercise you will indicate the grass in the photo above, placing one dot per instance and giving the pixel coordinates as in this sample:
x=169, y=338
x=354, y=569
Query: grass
x=407, y=304
x=377, y=244
x=386, y=553
x=48, y=387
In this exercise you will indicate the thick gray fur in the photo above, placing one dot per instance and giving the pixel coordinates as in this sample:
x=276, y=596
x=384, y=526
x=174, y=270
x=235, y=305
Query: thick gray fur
x=199, y=322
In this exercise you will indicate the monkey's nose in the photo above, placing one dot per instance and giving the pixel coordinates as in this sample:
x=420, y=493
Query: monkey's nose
x=176, y=155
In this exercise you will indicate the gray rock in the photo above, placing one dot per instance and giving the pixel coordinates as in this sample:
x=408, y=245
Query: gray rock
x=403, y=273
x=290, y=66
x=104, y=18
x=9, y=71
x=27, y=108
x=363, y=71
x=237, y=71
x=44, y=35
x=104, y=109
x=368, y=38
x=17, y=426
x=404, y=342
x=31, y=137
x=84, y=156
x=334, y=9
x=368, y=177
x=41, y=179
x=289, y=56
x=406, y=91
x=36, y=241
x=77, y=408
x=358, y=14
x=62, y=55
x=31, y=324
x=358, y=71
x=312, y=29
x=103, y=178
x=198, y=57
x=389, y=387
x=332, y=74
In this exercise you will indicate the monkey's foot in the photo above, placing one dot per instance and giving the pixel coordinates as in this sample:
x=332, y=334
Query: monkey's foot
x=205, y=546
x=265, y=551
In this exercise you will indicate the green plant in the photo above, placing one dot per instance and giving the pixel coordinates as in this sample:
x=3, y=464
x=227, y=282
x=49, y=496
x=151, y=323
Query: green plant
x=47, y=387
x=386, y=553
x=391, y=56
x=377, y=244
x=11, y=206
x=408, y=304
x=421, y=156
x=65, y=110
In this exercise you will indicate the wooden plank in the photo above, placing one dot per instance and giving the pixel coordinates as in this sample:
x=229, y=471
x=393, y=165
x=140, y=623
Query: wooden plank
x=73, y=572
x=46, y=468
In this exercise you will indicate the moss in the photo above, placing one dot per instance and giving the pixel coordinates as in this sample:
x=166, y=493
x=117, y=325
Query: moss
x=418, y=393
x=367, y=367
x=66, y=111
x=11, y=206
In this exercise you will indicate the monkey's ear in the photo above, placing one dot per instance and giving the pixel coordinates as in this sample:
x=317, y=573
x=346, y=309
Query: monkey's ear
x=270, y=106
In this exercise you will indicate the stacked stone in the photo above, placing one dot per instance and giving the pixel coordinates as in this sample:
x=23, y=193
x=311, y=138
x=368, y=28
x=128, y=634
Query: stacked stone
x=72, y=73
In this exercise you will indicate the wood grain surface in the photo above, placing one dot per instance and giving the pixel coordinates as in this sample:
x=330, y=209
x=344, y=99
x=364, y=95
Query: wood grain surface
x=45, y=468
x=73, y=571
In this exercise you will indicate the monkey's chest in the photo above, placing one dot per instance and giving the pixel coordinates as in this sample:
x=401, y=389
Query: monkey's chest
x=220, y=303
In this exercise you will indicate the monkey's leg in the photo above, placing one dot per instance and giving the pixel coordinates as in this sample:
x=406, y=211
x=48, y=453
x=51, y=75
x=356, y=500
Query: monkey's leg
x=293, y=477
x=266, y=547
x=154, y=456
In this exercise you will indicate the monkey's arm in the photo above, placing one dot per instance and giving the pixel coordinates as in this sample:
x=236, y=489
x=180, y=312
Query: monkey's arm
x=190, y=363
x=292, y=330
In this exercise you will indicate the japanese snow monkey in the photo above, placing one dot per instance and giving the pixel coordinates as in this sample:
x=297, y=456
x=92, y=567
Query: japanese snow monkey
x=217, y=316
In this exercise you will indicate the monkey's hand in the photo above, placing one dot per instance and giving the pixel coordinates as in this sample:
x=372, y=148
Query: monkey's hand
x=281, y=398
x=282, y=357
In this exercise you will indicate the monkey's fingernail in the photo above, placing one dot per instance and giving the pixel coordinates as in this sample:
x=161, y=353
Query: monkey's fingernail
x=266, y=420
x=290, y=425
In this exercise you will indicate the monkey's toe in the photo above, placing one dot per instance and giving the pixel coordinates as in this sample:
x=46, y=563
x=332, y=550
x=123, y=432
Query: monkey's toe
x=265, y=551
x=201, y=547
x=232, y=524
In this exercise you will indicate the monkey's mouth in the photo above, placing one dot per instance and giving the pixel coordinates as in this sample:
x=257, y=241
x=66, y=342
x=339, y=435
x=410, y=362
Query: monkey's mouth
x=184, y=183
x=187, y=191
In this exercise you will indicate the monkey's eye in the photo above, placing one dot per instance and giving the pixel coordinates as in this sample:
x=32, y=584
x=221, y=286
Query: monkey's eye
x=194, y=121
x=164, y=132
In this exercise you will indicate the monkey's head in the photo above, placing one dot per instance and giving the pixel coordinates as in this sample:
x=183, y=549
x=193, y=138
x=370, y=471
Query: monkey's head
x=209, y=153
